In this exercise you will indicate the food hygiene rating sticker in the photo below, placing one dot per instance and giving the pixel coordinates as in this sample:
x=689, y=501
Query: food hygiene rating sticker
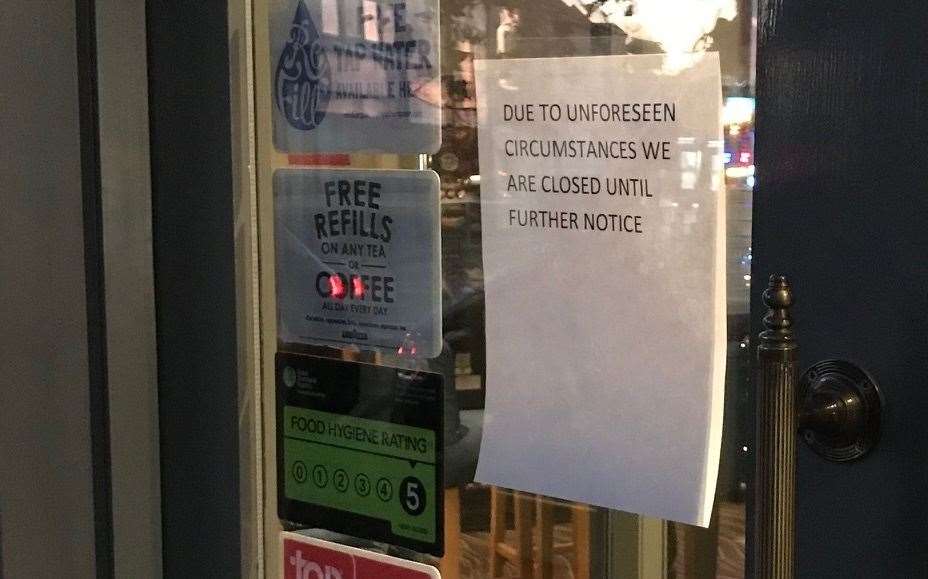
x=359, y=450
x=359, y=259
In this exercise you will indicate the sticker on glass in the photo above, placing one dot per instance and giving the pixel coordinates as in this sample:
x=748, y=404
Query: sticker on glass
x=359, y=259
x=355, y=75
x=360, y=450
x=312, y=558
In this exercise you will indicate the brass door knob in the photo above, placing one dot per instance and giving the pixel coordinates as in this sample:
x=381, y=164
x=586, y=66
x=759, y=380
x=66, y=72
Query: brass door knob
x=839, y=410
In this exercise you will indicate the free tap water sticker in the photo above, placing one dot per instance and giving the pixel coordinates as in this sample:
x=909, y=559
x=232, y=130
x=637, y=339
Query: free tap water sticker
x=360, y=450
x=359, y=259
x=355, y=75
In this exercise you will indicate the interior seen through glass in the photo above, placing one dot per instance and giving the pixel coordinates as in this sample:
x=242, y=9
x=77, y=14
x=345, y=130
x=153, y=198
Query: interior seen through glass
x=493, y=532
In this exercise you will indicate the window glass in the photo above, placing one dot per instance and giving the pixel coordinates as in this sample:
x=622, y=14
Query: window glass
x=493, y=532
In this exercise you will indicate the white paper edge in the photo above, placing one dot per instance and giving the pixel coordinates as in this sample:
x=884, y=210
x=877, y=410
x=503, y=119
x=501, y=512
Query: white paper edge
x=720, y=351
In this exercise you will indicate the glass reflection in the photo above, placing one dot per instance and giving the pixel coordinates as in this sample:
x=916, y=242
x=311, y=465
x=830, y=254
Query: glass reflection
x=492, y=532
x=509, y=29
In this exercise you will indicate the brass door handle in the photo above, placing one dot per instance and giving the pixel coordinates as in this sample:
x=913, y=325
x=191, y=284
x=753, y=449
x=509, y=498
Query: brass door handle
x=839, y=410
x=835, y=405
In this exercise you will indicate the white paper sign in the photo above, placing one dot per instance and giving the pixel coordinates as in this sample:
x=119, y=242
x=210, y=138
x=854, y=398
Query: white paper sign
x=603, y=224
x=359, y=259
x=355, y=75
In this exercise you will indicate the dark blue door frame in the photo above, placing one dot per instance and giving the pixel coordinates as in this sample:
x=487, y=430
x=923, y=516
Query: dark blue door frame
x=840, y=207
x=192, y=205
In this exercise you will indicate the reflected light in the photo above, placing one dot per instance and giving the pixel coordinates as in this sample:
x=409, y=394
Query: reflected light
x=739, y=172
x=357, y=287
x=402, y=351
x=681, y=36
x=330, y=18
x=338, y=289
x=738, y=111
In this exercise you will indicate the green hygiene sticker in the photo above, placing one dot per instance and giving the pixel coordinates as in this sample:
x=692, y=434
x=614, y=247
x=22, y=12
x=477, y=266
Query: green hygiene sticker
x=372, y=436
x=367, y=467
x=360, y=450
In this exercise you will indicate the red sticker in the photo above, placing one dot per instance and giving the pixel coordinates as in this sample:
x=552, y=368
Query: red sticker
x=309, y=558
x=319, y=159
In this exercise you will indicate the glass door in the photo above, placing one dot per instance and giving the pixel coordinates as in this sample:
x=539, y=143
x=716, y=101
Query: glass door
x=491, y=531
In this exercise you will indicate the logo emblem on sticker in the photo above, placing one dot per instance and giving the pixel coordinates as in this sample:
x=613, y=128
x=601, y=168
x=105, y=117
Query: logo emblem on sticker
x=303, y=78
x=289, y=377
